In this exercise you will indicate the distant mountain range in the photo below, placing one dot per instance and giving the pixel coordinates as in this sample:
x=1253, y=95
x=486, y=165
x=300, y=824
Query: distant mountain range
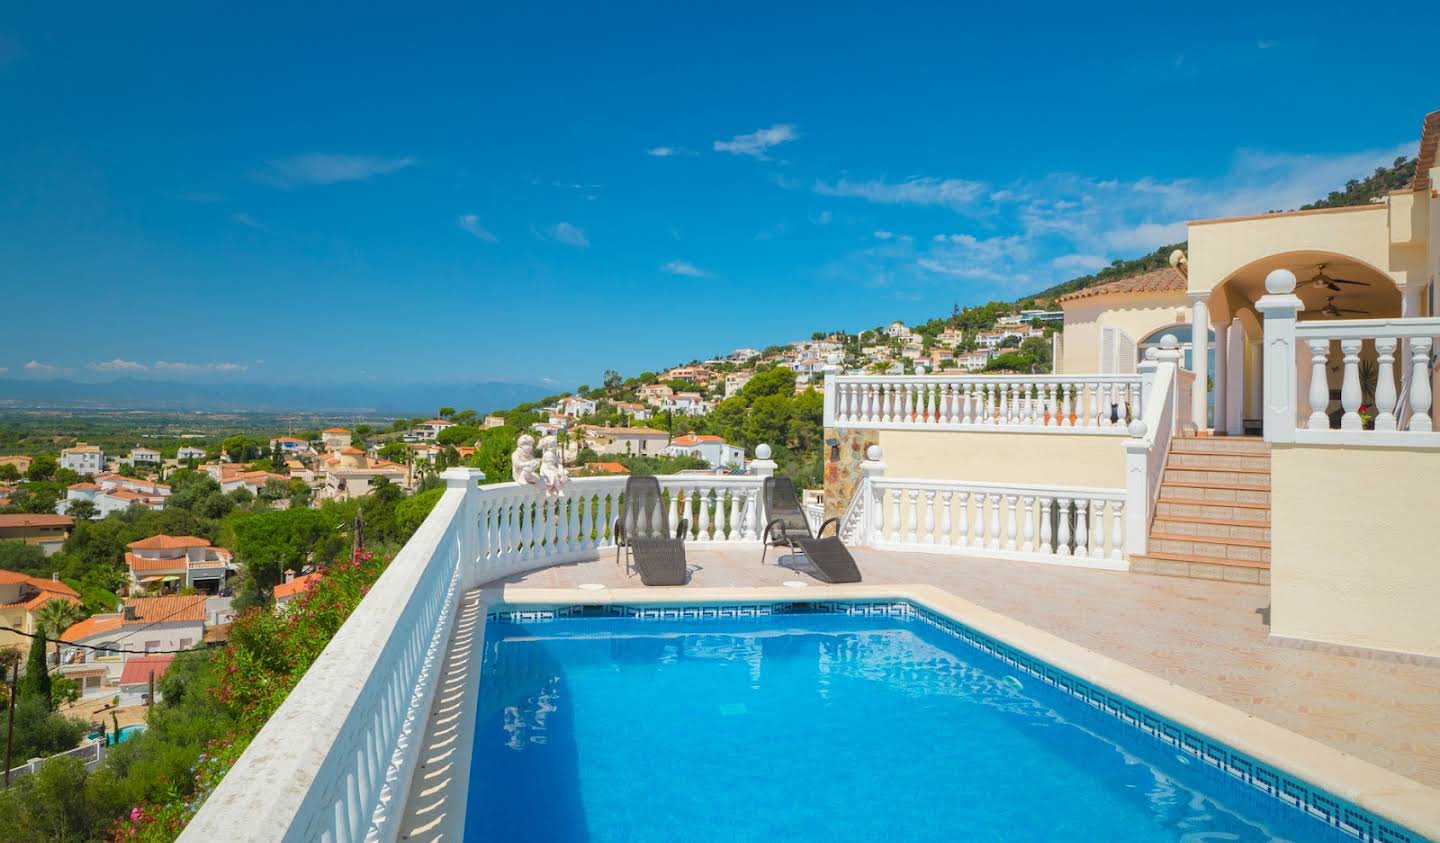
x=399, y=399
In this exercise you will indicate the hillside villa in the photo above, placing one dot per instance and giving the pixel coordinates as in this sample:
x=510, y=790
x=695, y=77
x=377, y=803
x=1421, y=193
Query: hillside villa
x=712, y=449
x=21, y=596
x=349, y=473
x=177, y=562
x=145, y=625
x=335, y=438
x=115, y=493
x=83, y=459
x=47, y=531
x=1208, y=541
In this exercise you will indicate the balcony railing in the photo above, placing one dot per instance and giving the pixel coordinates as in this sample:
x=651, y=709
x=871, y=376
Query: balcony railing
x=335, y=760
x=1030, y=403
x=1391, y=358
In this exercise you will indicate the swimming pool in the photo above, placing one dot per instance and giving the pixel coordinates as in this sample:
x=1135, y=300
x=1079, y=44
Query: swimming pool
x=838, y=721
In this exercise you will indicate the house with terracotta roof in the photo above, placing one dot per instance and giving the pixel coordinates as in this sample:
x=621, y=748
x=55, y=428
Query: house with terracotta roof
x=1108, y=326
x=251, y=481
x=294, y=586
x=712, y=449
x=638, y=441
x=48, y=531
x=175, y=562
x=140, y=455
x=349, y=473
x=146, y=625
x=290, y=445
x=20, y=461
x=429, y=429
x=21, y=596
x=83, y=459
x=602, y=468
x=335, y=438
x=114, y=493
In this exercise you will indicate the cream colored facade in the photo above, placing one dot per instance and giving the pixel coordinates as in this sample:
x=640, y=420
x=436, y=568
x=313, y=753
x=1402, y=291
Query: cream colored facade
x=1061, y=459
x=1137, y=314
x=1355, y=547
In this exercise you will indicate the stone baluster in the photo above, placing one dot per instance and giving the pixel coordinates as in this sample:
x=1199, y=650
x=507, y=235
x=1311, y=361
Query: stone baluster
x=1010, y=522
x=587, y=541
x=962, y=516
x=911, y=513
x=1052, y=412
x=673, y=512
x=967, y=403
x=896, y=525
x=907, y=402
x=1420, y=419
x=1067, y=392
x=1319, y=384
x=1003, y=416
x=1062, y=540
x=1117, y=530
x=571, y=506
x=1044, y=515
x=737, y=517
x=929, y=526
x=982, y=519
x=1082, y=532
x=1027, y=528
x=707, y=530
x=993, y=531
x=1102, y=403
x=522, y=534
x=945, y=501
x=1097, y=532
x=1385, y=398
x=1350, y=394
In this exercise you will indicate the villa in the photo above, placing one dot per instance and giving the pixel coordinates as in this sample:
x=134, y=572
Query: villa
x=177, y=562
x=335, y=438
x=1188, y=581
x=144, y=625
x=47, y=531
x=712, y=449
x=349, y=473
x=83, y=459
x=21, y=596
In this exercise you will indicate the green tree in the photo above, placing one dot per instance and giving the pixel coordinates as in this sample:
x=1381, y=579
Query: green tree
x=9, y=473
x=35, y=681
x=22, y=558
x=54, y=617
x=447, y=412
x=42, y=467
x=81, y=510
x=777, y=380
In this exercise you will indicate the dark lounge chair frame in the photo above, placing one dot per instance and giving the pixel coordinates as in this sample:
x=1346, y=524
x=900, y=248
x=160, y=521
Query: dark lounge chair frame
x=642, y=534
x=789, y=527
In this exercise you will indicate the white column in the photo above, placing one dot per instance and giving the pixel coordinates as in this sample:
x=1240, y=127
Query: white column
x=1279, y=308
x=1200, y=348
x=828, y=400
x=1222, y=375
x=1235, y=382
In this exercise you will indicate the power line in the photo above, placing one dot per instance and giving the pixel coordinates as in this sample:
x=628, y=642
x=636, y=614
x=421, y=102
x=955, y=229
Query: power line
x=87, y=646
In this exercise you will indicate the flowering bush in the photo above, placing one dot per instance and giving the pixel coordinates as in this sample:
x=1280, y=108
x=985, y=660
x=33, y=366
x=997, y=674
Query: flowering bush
x=267, y=654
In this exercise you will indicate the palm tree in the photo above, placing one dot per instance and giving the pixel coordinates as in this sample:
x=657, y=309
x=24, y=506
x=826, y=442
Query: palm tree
x=56, y=616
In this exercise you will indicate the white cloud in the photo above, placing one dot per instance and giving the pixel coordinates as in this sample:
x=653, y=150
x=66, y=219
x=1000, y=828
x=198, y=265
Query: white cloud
x=471, y=223
x=1080, y=263
x=684, y=268
x=36, y=367
x=178, y=367
x=823, y=218
x=329, y=169
x=1145, y=237
x=570, y=235
x=883, y=235
x=953, y=193
x=117, y=365
x=757, y=144
x=245, y=219
x=668, y=151
x=229, y=367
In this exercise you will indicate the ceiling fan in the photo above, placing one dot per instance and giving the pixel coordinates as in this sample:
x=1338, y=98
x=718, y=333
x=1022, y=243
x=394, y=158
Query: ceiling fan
x=1331, y=310
x=1325, y=281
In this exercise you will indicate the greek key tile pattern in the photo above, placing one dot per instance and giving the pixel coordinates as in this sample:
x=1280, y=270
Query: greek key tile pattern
x=1335, y=812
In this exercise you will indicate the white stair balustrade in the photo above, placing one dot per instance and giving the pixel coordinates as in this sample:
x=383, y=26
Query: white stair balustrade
x=1090, y=403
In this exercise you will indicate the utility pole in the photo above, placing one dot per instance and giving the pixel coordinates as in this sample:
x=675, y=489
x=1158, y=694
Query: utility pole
x=10, y=711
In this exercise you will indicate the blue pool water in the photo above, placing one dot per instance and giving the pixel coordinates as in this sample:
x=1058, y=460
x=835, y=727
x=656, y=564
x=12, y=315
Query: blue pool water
x=818, y=727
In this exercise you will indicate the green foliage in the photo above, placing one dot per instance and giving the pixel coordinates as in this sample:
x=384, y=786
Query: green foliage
x=23, y=558
x=411, y=512
x=1370, y=189
x=270, y=542
x=35, y=680
x=9, y=473
x=42, y=467
x=54, y=805
x=81, y=510
x=460, y=434
x=492, y=452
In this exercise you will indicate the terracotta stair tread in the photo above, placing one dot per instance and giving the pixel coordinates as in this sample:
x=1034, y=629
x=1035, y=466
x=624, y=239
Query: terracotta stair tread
x=1232, y=504
x=1222, y=522
x=1221, y=452
x=1210, y=484
x=1207, y=560
x=1217, y=468
x=1177, y=537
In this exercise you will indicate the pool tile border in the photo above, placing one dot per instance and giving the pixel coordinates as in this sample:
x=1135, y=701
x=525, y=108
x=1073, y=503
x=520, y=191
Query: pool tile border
x=1337, y=813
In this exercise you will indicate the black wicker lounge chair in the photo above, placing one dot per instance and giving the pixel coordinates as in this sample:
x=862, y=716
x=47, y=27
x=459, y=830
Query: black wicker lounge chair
x=788, y=527
x=642, y=533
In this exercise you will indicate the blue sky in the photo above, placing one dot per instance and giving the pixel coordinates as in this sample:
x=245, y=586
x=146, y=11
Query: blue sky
x=538, y=192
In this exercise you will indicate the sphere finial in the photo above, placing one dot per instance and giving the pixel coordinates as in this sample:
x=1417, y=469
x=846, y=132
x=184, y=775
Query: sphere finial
x=873, y=453
x=762, y=451
x=1280, y=282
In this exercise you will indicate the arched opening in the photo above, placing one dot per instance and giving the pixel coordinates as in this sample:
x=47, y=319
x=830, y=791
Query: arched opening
x=1334, y=287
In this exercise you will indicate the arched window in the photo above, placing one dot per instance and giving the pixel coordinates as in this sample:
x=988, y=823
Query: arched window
x=1180, y=332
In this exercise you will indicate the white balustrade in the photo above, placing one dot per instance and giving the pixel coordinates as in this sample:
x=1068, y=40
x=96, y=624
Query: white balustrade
x=1385, y=396
x=1046, y=403
x=1078, y=526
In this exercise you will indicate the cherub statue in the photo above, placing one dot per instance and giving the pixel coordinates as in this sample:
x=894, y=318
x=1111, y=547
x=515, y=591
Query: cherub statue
x=552, y=469
x=523, y=463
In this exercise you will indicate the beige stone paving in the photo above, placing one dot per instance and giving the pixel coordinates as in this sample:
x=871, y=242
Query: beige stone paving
x=1207, y=636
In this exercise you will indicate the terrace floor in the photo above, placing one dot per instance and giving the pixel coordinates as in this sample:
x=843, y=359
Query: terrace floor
x=1208, y=636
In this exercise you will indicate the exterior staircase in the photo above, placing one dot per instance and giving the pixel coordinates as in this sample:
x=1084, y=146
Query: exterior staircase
x=1212, y=519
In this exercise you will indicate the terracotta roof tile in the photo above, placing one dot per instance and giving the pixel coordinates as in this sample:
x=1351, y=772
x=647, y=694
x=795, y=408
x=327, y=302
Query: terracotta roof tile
x=137, y=669
x=1425, y=159
x=172, y=608
x=1165, y=280
x=299, y=585
x=93, y=625
x=164, y=542
x=26, y=519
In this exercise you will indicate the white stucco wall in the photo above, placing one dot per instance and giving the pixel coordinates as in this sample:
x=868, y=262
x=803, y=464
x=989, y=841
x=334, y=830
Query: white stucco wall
x=1060, y=459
